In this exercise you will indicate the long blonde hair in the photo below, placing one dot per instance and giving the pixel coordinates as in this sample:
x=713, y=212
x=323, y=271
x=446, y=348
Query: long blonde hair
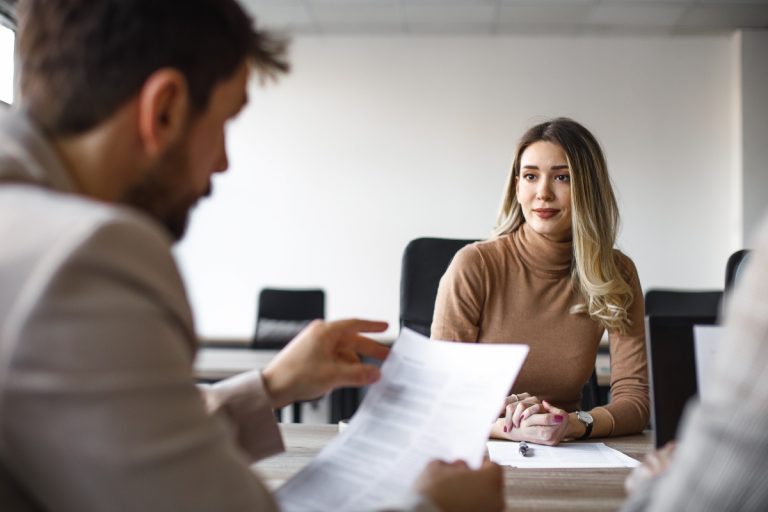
x=595, y=272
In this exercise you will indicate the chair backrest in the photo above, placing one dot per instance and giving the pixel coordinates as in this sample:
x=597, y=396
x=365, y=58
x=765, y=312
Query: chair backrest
x=424, y=263
x=283, y=313
x=590, y=393
x=734, y=268
x=671, y=368
x=682, y=303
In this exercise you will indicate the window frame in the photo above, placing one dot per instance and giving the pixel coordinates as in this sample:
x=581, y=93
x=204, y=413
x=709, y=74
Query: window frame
x=8, y=20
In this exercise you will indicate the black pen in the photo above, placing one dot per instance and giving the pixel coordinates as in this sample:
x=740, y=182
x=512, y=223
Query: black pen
x=525, y=451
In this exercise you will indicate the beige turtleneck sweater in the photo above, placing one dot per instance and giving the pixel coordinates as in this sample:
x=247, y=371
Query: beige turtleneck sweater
x=517, y=288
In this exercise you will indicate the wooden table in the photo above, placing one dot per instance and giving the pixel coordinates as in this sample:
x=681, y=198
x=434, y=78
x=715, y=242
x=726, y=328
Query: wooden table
x=526, y=489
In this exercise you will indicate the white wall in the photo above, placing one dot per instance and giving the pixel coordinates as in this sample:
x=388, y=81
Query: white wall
x=754, y=129
x=7, y=41
x=371, y=142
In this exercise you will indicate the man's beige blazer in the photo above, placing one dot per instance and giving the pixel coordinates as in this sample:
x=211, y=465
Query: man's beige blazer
x=98, y=407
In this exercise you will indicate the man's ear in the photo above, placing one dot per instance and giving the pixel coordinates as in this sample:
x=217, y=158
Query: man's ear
x=163, y=109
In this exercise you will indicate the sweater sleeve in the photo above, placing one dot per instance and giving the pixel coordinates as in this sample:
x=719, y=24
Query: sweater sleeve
x=244, y=402
x=460, y=298
x=629, y=409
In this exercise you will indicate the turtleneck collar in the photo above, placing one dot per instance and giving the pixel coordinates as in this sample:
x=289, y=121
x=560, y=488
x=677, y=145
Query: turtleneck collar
x=541, y=254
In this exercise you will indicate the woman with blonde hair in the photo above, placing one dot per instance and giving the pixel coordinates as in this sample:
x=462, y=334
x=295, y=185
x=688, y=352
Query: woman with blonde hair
x=551, y=278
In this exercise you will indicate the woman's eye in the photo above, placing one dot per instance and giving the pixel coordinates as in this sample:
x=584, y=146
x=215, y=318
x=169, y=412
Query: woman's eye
x=529, y=177
x=563, y=177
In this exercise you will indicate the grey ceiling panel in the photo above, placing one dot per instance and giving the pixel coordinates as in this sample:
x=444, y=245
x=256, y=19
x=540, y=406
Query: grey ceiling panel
x=509, y=16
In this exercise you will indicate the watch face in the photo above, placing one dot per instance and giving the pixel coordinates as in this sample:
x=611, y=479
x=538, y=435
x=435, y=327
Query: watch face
x=584, y=417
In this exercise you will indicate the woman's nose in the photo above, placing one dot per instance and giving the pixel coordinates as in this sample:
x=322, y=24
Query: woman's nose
x=544, y=190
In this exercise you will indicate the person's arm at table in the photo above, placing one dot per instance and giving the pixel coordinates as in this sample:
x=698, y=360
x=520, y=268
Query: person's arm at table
x=324, y=356
x=628, y=412
x=540, y=423
x=629, y=409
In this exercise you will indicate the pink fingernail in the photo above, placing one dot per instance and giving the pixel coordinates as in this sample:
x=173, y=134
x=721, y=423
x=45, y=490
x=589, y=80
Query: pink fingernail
x=505, y=428
x=558, y=418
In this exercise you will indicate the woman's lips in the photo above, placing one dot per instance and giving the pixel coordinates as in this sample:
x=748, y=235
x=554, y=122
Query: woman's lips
x=545, y=213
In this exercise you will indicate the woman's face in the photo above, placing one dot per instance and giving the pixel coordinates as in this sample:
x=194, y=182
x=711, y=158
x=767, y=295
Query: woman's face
x=544, y=190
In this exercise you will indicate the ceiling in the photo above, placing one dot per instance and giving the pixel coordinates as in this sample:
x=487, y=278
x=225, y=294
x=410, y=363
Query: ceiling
x=507, y=17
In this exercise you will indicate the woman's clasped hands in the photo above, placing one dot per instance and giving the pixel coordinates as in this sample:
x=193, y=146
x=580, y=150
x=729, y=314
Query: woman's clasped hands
x=526, y=418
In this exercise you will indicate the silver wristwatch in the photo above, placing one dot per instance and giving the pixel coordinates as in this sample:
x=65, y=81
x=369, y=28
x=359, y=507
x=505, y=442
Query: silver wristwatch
x=586, y=419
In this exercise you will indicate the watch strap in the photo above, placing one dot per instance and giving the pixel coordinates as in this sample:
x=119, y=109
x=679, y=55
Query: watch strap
x=587, y=426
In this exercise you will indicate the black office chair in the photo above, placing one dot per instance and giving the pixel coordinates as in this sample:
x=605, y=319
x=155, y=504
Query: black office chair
x=734, y=268
x=682, y=302
x=281, y=315
x=671, y=368
x=425, y=260
x=590, y=394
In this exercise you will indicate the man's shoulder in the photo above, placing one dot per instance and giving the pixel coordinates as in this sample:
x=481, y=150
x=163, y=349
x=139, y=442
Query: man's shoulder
x=32, y=213
x=45, y=231
x=61, y=247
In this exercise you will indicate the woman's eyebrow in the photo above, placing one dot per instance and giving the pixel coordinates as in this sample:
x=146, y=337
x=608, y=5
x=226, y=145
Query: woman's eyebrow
x=554, y=167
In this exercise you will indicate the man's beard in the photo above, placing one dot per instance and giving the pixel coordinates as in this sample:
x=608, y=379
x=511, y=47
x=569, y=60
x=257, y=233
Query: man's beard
x=158, y=194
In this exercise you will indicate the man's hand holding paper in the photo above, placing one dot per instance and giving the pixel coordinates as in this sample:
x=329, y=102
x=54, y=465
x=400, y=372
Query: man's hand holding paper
x=435, y=400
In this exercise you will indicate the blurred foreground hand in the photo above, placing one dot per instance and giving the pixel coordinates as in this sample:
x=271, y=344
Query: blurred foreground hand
x=324, y=356
x=655, y=464
x=454, y=487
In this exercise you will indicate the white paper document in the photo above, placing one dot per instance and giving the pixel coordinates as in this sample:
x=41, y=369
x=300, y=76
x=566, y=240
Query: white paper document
x=435, y=400
x=566, y=455
x=706, y=344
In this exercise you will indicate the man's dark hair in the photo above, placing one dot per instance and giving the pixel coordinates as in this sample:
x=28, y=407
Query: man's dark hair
x=83, y=59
